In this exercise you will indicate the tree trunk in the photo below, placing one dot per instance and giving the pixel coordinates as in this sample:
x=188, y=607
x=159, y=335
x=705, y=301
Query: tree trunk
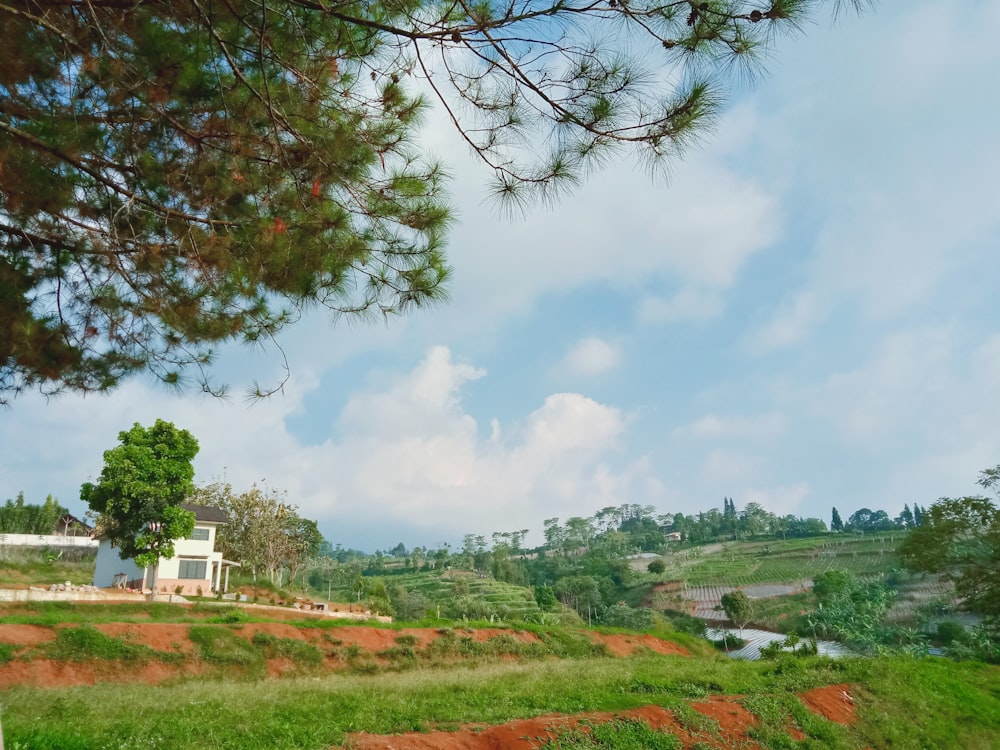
x=155, y=585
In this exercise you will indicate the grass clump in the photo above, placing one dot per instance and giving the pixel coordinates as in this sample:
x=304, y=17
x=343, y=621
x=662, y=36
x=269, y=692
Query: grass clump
x=301, y=652
x=220, y=646
x=231, y=616
x=570, y=644
x=85, y=643
x=620, y=734
x=7, y=652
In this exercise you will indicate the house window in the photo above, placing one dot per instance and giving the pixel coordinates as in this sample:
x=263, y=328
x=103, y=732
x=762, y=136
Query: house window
x=200, y=534
x=193, y=569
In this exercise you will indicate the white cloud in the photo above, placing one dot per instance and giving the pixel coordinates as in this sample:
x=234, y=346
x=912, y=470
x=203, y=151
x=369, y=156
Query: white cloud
x=726, y=468
x=790, y=325
x=447, y=477
x=591, y=356
x=730, y=427
x=908, y=372
x=405, y=450
x=619, y=227
x=690, y=303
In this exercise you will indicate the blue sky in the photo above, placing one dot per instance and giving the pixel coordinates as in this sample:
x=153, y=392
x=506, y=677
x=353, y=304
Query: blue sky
x=806, y=316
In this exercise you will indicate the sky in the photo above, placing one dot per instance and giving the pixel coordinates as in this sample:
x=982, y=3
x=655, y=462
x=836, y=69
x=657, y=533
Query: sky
x=806, y=316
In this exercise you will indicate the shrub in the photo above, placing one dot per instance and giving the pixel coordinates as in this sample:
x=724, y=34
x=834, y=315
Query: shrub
x=623, y=616
x=949, y=632
x=231, y=616
x=657, y=567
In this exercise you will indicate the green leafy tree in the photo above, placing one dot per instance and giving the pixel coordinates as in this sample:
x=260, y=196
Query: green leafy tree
x=581, y=593
x=138, y=495
x=959, y=538
x=656, y=567
x=738, y=608
x=868, y=520
x=181, y=174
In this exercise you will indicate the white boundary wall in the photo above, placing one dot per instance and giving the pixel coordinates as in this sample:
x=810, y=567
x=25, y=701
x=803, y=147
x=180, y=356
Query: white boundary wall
x=46, y=540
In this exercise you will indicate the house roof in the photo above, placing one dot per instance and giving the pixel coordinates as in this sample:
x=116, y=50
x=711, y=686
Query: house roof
x=206, y=513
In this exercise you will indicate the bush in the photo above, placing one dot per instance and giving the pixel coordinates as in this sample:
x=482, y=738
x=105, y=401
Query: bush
x=623, y=616
x=949, y=632
x=657, y=567
x=545, y=597
x=685, y=623
x=231, y=616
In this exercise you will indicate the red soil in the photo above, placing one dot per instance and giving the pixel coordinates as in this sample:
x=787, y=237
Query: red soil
x=733, y=719
x=834, y=703
x=33, y=669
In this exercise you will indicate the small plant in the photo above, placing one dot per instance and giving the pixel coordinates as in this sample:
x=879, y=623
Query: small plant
x=199, y=591
x=178, y=590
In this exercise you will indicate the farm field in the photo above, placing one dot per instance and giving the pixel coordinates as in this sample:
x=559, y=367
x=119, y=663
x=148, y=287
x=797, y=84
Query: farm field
x=778, y=576
x=741, y=564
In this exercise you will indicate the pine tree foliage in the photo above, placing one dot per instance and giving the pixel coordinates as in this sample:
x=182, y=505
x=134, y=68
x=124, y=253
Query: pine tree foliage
x=178, y=174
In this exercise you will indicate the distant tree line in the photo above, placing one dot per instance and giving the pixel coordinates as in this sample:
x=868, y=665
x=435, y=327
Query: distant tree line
x=583, y=563
x=20, y=517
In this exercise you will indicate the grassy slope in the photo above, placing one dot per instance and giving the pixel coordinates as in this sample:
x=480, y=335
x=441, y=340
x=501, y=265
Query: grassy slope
x=901, y=703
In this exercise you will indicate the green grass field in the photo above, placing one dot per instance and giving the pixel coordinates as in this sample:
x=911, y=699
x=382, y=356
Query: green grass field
x=902, y=703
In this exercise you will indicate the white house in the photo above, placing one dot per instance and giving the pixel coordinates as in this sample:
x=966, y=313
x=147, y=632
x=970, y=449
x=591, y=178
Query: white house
x=196, y=568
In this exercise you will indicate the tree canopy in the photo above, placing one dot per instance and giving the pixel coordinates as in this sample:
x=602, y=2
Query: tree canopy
x=180, y=174
x=959, y=538
x=263, y=531
x=738, y=608
x=138, y=495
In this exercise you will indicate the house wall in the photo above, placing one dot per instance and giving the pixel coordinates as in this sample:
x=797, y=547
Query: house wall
x=197, y=549
x=109, y=564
